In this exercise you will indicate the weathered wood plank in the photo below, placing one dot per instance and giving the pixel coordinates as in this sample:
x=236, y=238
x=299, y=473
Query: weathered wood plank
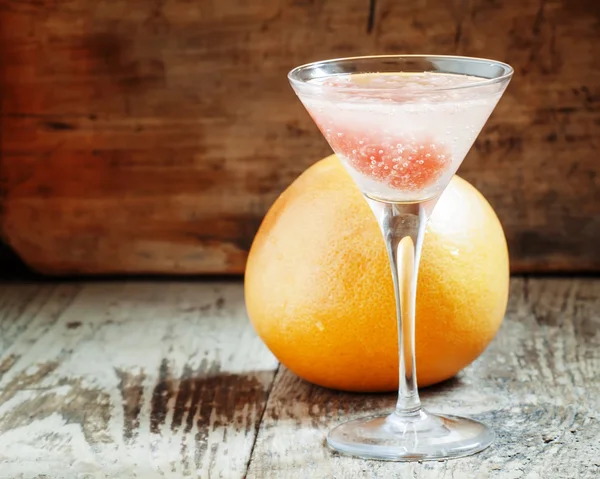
x=129, y=380
x=30, y=309
x=152, y=136
x=538, y=385
x=119, y=380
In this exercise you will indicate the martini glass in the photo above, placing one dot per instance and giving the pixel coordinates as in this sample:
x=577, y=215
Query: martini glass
x=402, y=125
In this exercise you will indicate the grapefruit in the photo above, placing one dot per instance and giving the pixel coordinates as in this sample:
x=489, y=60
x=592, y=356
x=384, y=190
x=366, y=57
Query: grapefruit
x=319, y=292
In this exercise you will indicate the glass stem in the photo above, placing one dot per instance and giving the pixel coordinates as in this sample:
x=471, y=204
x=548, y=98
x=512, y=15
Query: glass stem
x=403, y=228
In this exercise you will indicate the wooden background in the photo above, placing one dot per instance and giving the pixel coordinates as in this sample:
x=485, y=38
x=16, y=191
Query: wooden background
x=150, y=136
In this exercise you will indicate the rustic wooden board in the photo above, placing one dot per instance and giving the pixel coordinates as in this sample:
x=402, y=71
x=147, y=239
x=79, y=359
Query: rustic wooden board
x=121, y=380
x=153, y=136
x=128, y=380
x=538, y=385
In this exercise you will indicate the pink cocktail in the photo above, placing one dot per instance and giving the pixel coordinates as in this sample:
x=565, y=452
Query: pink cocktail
x=402, y=125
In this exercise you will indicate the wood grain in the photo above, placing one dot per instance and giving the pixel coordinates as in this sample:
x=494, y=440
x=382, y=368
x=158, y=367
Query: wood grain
x=126, y=380
x=151, y=137
x=538, y=385
x=30, y=307
x=167, y=380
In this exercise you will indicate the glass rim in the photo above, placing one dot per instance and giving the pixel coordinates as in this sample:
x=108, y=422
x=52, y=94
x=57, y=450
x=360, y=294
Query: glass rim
x=507, y=72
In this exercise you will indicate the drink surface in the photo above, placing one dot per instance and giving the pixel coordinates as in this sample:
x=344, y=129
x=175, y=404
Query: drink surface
x=400, y=135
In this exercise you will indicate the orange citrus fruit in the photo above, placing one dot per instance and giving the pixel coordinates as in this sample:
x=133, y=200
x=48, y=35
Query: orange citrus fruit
x=319, y=291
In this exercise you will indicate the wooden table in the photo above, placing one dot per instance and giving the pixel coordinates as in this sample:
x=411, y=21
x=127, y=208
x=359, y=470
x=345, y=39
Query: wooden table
x=167, y=379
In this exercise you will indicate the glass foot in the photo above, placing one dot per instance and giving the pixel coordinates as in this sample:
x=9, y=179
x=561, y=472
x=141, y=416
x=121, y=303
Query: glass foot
x=420, y=436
